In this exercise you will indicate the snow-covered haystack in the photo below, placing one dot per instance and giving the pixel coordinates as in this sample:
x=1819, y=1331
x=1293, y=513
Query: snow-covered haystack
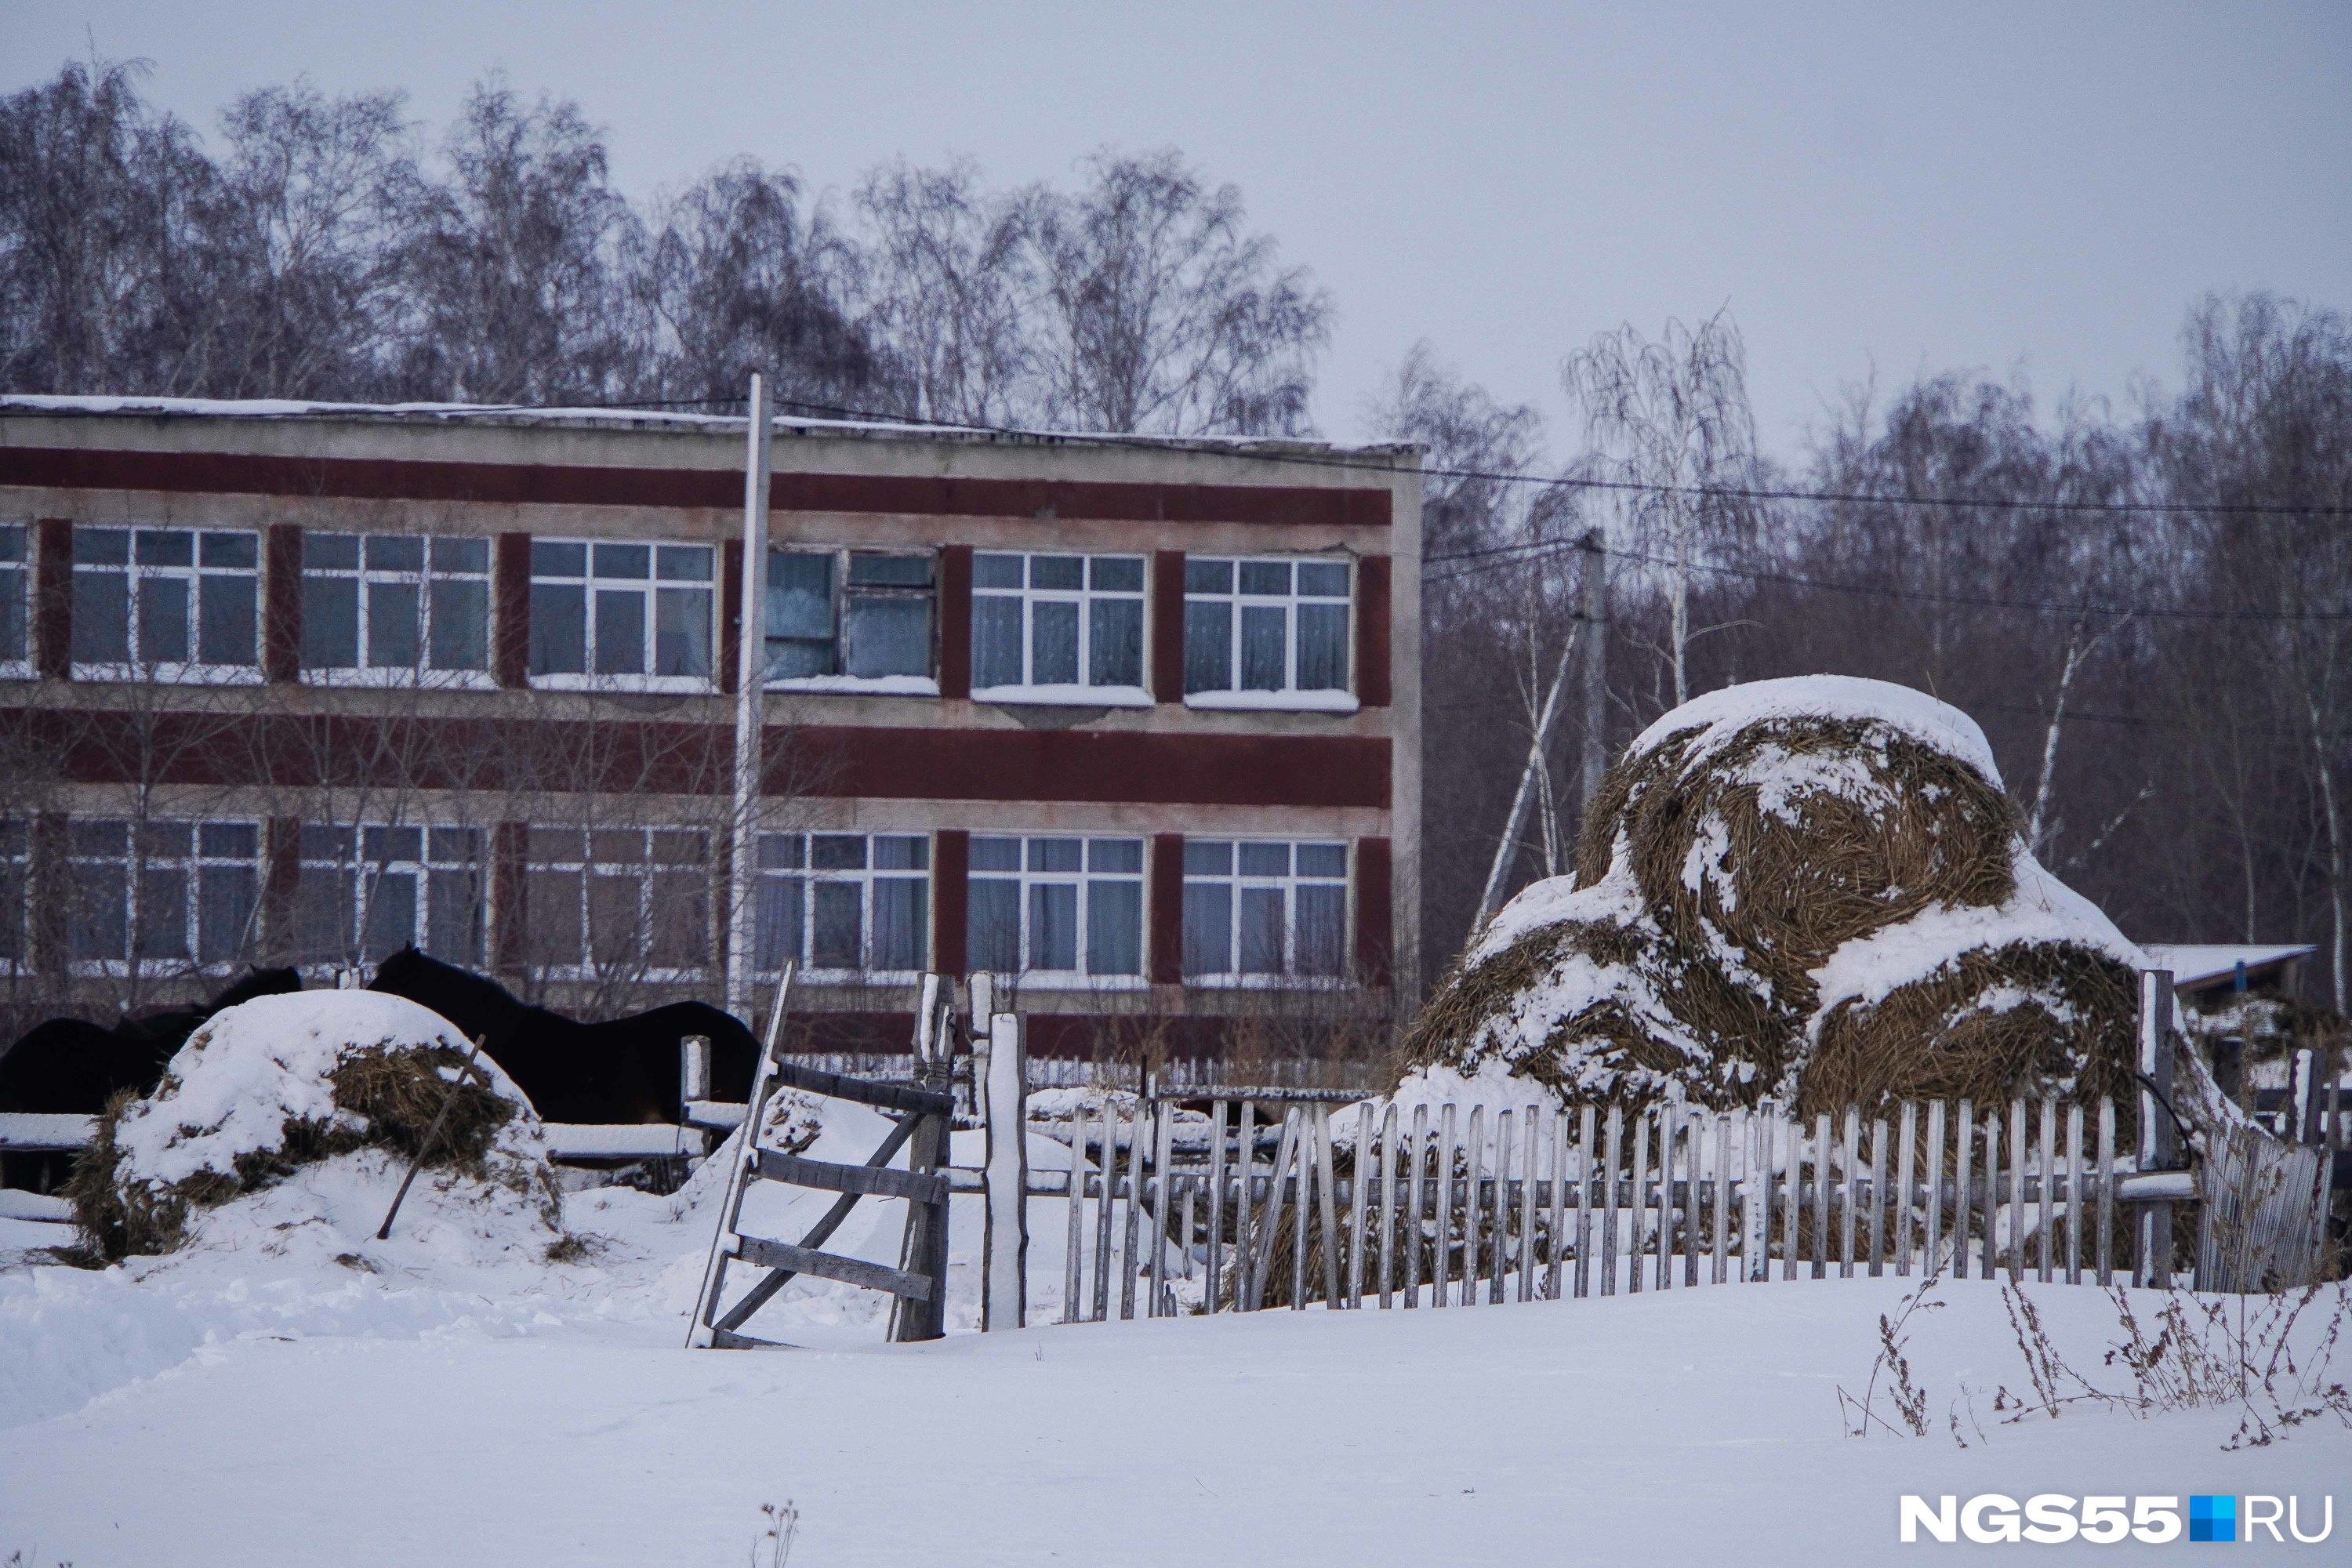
x=1812, y=890
x=266, y=1088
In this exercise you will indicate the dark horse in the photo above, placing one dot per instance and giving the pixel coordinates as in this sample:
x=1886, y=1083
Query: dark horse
x=626, y=1069
x=75, y=1066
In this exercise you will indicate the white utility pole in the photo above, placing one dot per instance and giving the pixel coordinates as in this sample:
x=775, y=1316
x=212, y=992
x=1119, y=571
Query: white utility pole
x=750, y=693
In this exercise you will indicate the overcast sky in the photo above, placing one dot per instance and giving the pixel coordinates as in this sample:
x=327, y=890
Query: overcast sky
x=1871, y=185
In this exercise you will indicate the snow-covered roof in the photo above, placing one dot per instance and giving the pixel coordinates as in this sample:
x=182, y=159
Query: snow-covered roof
x=658, y=418
x=2200, y=963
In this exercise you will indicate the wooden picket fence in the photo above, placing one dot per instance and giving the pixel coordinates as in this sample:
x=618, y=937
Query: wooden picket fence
x=1452, y=1204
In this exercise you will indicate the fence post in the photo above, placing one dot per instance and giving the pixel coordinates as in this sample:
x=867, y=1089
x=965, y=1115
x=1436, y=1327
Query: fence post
x=1004, y=1288
x=2154, y=1231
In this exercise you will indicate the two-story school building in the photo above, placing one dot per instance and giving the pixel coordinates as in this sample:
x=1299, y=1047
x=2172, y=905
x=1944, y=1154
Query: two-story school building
x=1134, y=720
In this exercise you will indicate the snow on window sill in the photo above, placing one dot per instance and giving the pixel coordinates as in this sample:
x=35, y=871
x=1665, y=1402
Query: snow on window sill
x=174, y=674
x=1331, y=983
x=16, y=669
x=877, y=979
x=861, y=685
x=663, y=685
x=1071, y=980
x=404, y=680
x=1067, y=696
x=1273, y=701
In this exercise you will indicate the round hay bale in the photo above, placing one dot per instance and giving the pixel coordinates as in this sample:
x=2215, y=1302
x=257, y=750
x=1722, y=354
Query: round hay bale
x=280, y=1082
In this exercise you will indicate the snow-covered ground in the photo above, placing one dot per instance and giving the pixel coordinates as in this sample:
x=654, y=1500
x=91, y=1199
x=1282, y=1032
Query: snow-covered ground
x=289, y=1391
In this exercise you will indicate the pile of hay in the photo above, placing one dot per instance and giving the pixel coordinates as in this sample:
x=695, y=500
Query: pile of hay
x=278, y=1083
x=1810, y=889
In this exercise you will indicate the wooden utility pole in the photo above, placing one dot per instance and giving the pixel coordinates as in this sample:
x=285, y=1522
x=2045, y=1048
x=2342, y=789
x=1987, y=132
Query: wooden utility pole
x=1595, y=624
x=751, y=694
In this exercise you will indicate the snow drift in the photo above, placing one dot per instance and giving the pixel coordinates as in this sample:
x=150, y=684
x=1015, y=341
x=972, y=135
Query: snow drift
x=1812, y=890
x=266, y=1088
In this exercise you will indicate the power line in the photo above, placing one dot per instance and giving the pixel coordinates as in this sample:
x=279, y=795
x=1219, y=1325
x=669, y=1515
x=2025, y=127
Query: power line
x=1505, y=476
x=1488, y=560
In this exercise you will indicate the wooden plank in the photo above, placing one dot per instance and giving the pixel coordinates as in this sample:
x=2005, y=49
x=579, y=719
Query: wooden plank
x=1559, y=1179
x=1414, y=1157
x=2042, y=1253
x=2075, y=1194
x=867, y=1181
x=1073, y=1258
x=902, y=1283
x=1130, y=1234
x=1907, y=1153
x=1216, y=1202
x=2152, y=1257
x=1004, y=1238
x=1157, y=1305
x=1302, y=1211
x=1615, y=1151
x=1963, y=1199
x=1506, y=1125
x=1877, y=1197
x=1357, y=1202
x=1245, y=1155
x=1186, y=1227
x=884, y=1095
x=1442, y=1271
x=1332, y=1300
x=1824, y=1185
x=1530, y=1135
x=1988, y=1260
x=1390, y=1177
x=1104, y=1198
x=2020, y=1164
x=1473, y=1151
x=700, y=1327
x=1719, y=1221
x=1694, y=1144
x=2106, y=1193
x=1792, y=1220
x=1853, y=1166
x=1584, y=1147
x=1756, y=1195
x=1270, y=1215
x=1931, y=1262
x=1638, y=1236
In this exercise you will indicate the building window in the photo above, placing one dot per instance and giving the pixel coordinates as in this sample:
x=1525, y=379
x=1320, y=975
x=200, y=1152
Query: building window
x=632, y=614
x=1057, y=628
x=1257, y=909
x=1058, y=906
x=16, y=590
x=851, y=619
x=177, y=895
x=167, y=603
x=607, y=901
x=362, y=894
x=844, y=904
x=1269, y=633
x=395, y=606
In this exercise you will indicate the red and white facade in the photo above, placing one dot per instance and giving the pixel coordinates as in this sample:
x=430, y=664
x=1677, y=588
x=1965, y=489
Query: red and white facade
x=1136, y=721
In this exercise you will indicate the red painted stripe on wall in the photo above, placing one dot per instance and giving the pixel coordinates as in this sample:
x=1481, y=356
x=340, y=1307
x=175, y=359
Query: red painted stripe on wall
x=1372, y=632
x=1375, y=911
x=1168, y=625
x=1167, y=962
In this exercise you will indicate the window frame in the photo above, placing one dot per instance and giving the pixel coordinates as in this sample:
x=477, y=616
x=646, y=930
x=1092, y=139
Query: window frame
x=1289, y=697
x=865, y=877
x=591, y=585
x=19, y=564
x=136, y=862
x=642, y=969
x=842, y=590
x=134, y=572
x=423, y=673
x=1290, y=881
x=365, y=874
x=1083, y=692
x=1081, y=978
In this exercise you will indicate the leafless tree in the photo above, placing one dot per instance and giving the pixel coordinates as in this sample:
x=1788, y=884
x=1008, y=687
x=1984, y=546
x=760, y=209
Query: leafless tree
x=952, y=284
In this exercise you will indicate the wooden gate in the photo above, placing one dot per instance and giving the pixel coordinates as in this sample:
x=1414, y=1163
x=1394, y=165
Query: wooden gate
x=918, y=1285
